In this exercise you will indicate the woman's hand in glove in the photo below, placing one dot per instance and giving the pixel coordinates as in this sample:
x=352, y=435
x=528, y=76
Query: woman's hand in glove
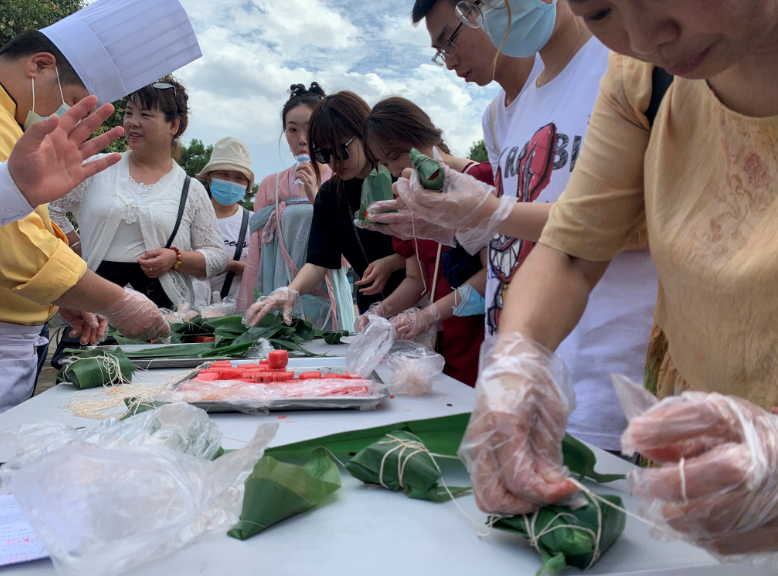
x=406, y=225
x=513, y=443
x=135, y=316
x=87, y=325
x=718, y=483
x=282, y=299
x=416, y=321
x=380, y=309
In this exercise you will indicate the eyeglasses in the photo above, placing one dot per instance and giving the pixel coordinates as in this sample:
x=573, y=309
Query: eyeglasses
x=471, y=13
x=444, y=53
x=163, y=86
x=324, y=155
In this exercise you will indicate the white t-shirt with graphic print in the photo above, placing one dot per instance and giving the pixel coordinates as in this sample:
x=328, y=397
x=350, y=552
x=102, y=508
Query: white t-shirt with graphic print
x=538, y=155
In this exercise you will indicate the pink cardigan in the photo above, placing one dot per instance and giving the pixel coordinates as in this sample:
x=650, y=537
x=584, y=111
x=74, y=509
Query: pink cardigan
x=266, y=196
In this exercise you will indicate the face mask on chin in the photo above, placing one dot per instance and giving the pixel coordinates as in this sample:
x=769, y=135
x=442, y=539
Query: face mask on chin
x=531, y=25
x=32, y=117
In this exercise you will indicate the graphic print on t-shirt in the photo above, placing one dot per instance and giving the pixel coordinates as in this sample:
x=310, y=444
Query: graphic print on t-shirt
x=533, y=166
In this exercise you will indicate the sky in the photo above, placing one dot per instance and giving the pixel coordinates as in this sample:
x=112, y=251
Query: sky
x=253, y=50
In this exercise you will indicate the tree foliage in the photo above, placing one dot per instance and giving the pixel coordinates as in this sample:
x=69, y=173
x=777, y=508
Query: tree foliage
x=19, y=15
x=195, y=156
x=477, y=152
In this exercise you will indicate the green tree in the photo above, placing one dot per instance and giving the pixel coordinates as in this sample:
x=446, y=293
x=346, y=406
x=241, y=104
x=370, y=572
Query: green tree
x=195, y=156
x=19, y=15
x=477, y=152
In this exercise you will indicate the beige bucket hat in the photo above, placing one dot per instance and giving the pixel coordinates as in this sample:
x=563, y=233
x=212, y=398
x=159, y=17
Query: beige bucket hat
x=230, y=154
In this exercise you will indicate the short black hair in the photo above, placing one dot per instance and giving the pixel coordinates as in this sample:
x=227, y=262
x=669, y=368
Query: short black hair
x=422, y=7
x=32, y=42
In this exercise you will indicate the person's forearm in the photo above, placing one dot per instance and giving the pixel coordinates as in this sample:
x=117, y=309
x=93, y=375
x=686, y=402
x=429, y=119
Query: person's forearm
x=406, y=295
x=193, y=264
x=74, y=240
x=526, y=220
x=308, y=278
x=446, y=304
x=235, y=267
x=548, y=295
x=91, y=294
x=397, y=262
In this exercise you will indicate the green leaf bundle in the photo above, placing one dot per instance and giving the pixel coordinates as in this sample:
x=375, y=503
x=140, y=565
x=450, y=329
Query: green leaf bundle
x=96, y=368
x=430, y=172
x=375, y=188
x=566, y=537
x=276, y=491
x=400, y=461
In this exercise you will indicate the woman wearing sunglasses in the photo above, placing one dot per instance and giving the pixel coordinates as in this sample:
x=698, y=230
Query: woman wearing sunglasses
x=336, y=136
x=539, y=153
x=143, y=222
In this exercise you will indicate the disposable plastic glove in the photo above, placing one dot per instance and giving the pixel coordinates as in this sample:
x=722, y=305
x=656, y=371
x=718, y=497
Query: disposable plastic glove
x=463, y=203
x=87, y=325
x=378, y=309
x=282, y=299
x=513, y=443
x=473, y=239
x=416, y=321
x=135, y=316
x=718, y=483
x=405, y=225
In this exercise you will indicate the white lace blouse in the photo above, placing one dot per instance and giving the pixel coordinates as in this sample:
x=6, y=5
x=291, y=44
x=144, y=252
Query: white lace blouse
x=100, y=203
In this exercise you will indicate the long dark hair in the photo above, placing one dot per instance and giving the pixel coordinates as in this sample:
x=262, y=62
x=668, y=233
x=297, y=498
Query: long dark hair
x=335, y=119
x=396, y=125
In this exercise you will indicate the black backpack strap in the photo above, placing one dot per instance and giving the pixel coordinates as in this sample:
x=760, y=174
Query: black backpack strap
x=238, y=251
x=660, y=83
x=181, y=206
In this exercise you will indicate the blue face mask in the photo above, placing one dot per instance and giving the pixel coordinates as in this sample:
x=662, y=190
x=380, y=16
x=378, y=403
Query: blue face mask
x=227, y=193
x=532, y=22
x=32, y=117
x=472, y=303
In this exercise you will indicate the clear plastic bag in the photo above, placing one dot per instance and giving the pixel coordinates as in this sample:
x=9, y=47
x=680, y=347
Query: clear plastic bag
x=414, y=368
x=370, y=346
x=179, y=427
x=101, y=511
x=220, y=308
x=261, y=349
x=183, y=313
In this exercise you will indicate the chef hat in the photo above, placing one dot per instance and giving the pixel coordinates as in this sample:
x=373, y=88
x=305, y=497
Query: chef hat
x=119, y=46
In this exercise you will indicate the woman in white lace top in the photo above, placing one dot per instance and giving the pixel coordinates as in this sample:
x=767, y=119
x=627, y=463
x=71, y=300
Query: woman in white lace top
x=127, y=214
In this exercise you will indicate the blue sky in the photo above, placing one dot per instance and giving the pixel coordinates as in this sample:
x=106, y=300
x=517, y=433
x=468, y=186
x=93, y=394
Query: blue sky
x=253, y=50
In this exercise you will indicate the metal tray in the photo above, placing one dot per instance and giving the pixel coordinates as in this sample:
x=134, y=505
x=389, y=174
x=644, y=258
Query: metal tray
x=335, y=365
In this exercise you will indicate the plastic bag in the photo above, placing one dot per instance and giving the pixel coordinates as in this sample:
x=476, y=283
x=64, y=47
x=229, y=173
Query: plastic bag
x=101, y=511
x=183, y=313
x=261, y=349
x=414, y=368
x=715, y=483
x=179, y=427
x=220, y=308
x=370, y=346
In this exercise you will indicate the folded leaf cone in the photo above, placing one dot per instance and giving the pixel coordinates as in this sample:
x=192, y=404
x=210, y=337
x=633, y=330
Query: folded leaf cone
x=430, y=172
x=276, y=491
x=375, y=188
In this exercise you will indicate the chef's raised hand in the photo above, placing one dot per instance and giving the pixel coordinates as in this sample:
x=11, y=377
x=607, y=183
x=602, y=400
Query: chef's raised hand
x=513, y=443
x=47, y=161
x=718, y=481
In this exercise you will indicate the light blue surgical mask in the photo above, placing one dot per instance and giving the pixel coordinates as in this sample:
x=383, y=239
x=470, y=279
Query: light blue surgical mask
x=32, y=117
x=532, y=22
x=227, y=193
x=472, y=303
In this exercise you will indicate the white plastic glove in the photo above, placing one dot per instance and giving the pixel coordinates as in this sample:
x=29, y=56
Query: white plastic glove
x=135, y=316
x=87, y=325
x=473, y=239
x=415, y=321
x=513, y=443
x=378, y=309
x=718, y=483
x=282, y=299
x=406, y=225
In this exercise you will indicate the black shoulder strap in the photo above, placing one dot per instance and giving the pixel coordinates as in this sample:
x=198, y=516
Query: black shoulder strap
x=238, y=251
x=660, y=83
x=181, y=206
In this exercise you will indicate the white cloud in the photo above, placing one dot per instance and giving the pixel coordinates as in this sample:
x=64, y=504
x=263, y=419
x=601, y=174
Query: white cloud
x=253, y=50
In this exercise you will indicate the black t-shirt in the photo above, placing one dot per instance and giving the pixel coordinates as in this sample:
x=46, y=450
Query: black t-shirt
x=333, y=233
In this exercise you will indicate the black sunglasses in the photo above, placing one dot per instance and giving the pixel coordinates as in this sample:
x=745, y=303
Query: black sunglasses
x=324, y=155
